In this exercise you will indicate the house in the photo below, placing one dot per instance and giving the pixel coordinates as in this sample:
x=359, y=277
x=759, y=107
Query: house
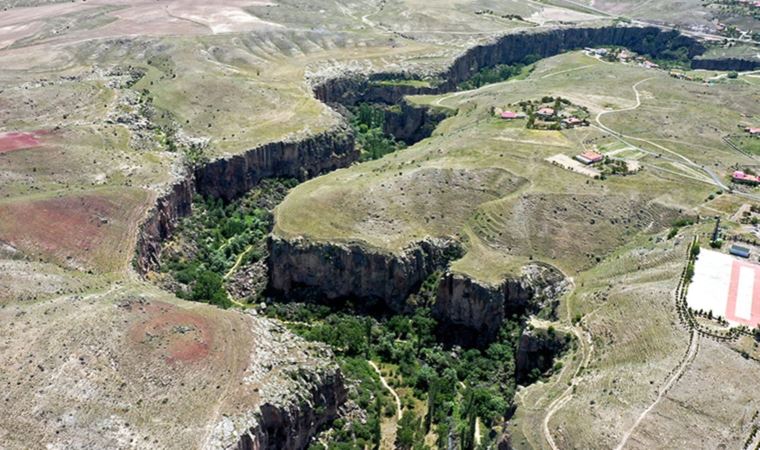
x=753, y=131
x=572, y=122
x=509, y=115
x=738, y=250
x=649, y=64
x=545, y=112
x=597, y=51
x=625, y=56
x=743, y=178
x=589, y=157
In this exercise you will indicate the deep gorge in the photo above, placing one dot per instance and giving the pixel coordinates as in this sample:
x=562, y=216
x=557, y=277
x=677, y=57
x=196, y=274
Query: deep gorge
x=295, y=265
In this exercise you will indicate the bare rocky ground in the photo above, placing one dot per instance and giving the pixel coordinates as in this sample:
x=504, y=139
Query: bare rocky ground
x=98, y=369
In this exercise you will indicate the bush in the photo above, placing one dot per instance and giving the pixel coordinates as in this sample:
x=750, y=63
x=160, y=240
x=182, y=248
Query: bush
x=209, y=288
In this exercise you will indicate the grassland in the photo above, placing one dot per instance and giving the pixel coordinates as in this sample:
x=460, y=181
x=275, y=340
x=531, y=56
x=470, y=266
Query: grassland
x=486, y=181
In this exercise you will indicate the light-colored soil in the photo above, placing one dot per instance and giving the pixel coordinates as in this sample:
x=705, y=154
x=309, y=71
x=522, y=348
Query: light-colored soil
x=572, y=165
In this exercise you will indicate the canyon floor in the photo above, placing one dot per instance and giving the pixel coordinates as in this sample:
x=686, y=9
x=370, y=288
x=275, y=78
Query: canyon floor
x=112, y=110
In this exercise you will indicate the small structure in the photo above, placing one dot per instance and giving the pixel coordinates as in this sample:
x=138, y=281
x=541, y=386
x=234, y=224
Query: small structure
x=589, y=157
x=597, y=51
x=509, y=115
x=738, y=250
x=753, y=131
x=625, y=55
x=649, y=64
x=743, y=178
x=545, y=112
x=571, y=122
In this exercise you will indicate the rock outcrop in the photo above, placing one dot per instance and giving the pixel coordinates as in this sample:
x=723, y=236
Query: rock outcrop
x=162, y=219
x=536, y=351
x=228, y=178
x=737, y=64
x=291, y=426
x=471, y=312
x=231, y=177
x=298, y=389
x=338, y=271
x=411, y=123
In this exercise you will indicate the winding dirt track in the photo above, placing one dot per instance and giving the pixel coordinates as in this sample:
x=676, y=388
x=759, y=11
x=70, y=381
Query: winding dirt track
x=712, y=177
x=690, y=354
x=586, y=347
x=388, y=387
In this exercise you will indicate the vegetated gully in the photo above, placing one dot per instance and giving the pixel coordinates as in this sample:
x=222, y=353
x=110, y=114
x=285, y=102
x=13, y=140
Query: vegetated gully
x=232, y=177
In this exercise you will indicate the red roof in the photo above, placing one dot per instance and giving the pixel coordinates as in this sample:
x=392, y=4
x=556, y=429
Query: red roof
x=751, y=130
x=546, y=111
x=508, y=115
x=592, y=156
x=739, y=175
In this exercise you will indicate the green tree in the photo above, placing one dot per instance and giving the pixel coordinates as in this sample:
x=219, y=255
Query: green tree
x=407, y=429
x=209, y=288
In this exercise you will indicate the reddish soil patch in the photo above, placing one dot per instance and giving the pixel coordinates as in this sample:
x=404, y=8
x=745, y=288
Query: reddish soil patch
x=19, y=140
x=88, y=229
x=177, y=335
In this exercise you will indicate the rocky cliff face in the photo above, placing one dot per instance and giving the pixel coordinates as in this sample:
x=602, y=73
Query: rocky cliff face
x=228, y=178
x=232, y=177
x=290, y=390
x=737, y=64
x=337, y=271
x=508, y=49
x=472, y=312
x=291, y=426
x=536, y=352
x=161, y=221
x=516, y=47
x=412, y=123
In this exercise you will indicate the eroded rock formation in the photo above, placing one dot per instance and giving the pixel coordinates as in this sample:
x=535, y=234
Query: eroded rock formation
x=297, y=389
x=290, y=426
x=336, y=271
x=537, y=350
x=738, y=64
x=232, y=177
x=472, y=311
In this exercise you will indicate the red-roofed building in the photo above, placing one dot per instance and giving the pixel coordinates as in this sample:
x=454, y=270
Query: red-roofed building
x=743, y=178
x=572, y=122
x=753, y=131
x=545, y=112
x=589, y=157
x=509, y=115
